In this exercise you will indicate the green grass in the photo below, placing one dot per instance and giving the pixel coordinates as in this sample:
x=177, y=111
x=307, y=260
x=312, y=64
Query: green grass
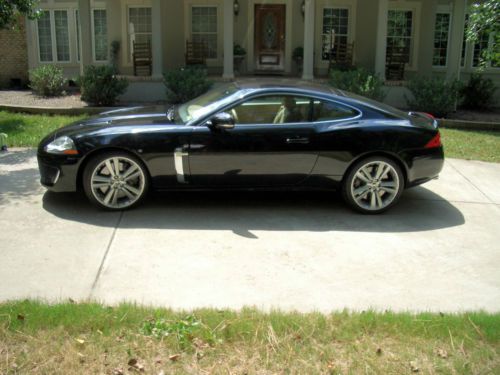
x=70, y=338
x=471, y=144
x=28, y=130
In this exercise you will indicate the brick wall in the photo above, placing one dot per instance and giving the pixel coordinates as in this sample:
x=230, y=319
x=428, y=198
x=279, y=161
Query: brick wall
x=13, y=55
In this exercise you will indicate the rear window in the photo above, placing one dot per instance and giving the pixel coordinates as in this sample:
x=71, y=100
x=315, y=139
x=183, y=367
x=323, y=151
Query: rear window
x=373, y=103
x=330, y=111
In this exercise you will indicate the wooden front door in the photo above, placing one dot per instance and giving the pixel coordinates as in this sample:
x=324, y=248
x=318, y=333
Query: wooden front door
x=270, y=37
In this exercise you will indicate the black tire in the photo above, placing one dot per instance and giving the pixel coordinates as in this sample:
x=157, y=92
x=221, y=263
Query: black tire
x=361, y=195
x=129, y=190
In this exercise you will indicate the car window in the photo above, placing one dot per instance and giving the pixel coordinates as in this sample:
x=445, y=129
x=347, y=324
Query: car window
x=328, y=111
x=275, y=109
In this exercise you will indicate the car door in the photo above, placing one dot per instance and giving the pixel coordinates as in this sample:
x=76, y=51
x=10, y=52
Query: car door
x=271, y=144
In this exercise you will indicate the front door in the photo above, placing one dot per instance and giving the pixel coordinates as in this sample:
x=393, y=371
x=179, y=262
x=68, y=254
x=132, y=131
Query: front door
x=270, y=37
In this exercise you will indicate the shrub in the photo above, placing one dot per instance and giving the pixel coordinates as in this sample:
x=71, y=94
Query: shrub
x=186, y=84
x=358, y=81
x=478, y=93
x=100, y=86
x=433, y=95
x=48, y=80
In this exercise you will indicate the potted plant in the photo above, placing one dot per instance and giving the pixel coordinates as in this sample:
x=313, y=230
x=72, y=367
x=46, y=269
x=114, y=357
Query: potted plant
x=239, y=54
x=298, y=57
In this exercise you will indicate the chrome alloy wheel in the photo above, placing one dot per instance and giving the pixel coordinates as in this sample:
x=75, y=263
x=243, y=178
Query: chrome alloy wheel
x=375, y=185
x=117, y=182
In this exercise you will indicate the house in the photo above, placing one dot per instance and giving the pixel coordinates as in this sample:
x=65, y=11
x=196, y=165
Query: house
x=415, y=37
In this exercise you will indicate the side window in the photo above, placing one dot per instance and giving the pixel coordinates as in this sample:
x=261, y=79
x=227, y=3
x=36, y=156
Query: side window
x=276, y=109
x=328, y=111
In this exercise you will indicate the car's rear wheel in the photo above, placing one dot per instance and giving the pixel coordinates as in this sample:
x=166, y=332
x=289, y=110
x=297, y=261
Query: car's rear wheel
x=115, y=181
x=373, y=185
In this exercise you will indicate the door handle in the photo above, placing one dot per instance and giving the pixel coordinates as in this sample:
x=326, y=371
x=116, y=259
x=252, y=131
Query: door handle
x=301, y=140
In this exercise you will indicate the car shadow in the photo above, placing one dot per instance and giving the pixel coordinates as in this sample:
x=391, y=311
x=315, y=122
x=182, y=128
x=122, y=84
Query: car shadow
x=244, y=212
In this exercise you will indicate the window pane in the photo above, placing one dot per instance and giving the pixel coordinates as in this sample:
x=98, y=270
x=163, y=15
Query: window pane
x=327, y=111
x=100, y=35
x=77, y=24
x=62, y=35
x=441, y=34
x=204, y=28
x=273, y=110
x=399, y=33
x=335, y=26
x=45, y=37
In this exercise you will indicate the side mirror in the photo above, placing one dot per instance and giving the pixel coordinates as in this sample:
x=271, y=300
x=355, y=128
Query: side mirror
x=222, y=120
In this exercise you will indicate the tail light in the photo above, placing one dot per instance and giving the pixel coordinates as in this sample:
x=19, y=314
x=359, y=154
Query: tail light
x=434, y=142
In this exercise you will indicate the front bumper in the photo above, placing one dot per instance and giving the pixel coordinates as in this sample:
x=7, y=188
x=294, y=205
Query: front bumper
x=59, y=173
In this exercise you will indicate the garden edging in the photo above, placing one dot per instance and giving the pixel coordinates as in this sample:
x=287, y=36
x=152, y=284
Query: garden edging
x=469, y=125
x=71, y=111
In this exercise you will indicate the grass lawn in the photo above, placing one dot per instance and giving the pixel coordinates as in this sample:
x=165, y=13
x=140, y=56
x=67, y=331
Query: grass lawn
x=88, y=338
x=28, y=130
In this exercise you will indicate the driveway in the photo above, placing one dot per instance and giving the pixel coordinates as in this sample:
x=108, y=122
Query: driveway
x=438, y=250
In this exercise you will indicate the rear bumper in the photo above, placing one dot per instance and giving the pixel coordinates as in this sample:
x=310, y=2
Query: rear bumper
x=424, y=165
x=58, y=173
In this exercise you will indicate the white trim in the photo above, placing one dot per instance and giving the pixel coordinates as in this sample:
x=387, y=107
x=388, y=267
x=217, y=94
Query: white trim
x=92, y=31
x=53, y=38
x=415, y=8
x=351, y=6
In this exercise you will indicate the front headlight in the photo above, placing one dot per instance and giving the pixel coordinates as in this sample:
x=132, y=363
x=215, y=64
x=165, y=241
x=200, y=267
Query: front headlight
x=62, y=145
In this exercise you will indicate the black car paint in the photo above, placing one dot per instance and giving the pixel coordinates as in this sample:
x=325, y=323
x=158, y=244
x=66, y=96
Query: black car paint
x=248, y=156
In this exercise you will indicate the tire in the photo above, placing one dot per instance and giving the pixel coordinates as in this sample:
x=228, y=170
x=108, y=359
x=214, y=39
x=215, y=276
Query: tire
x=115, y=191
x=373, y=185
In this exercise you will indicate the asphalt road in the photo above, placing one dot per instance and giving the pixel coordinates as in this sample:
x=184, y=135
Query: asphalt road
x=438, y=250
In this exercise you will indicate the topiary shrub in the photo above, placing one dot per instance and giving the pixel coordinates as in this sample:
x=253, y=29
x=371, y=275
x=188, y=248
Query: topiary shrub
x=433, y=95
x=186, y=84
x=478, y=93
x=48, y=80
x=100, y=86
x=358, y=81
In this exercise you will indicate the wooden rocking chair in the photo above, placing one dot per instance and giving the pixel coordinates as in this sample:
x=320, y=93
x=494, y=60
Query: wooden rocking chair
x=142, y=57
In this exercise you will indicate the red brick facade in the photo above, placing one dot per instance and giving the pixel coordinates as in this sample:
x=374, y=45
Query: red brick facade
x=13, y=55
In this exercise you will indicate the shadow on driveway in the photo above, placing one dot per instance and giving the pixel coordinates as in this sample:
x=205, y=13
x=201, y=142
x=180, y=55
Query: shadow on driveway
x=242, y=212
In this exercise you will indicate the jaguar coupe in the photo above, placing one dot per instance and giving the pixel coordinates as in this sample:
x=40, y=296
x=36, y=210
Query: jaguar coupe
x=247, y=135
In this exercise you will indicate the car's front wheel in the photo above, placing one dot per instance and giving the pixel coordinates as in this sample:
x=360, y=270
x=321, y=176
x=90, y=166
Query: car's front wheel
x=115, y=181
x=373, y=185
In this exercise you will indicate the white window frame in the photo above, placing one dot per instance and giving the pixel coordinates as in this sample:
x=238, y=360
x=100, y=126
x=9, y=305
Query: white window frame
x=53, y=37
x=129, y=35
x=92, y=30
x=217, y=32
x=349, y=20
x=415, y=8
x=449, y=13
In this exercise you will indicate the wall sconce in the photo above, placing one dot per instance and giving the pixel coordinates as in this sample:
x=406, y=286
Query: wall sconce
x=303, y=8
x=236, y=7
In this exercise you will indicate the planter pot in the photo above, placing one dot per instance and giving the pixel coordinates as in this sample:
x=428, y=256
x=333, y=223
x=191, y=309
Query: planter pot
x=238, y=60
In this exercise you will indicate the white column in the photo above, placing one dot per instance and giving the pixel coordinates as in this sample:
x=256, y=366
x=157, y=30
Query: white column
x=85, y=34
x=381, y=43
x=456, y=39
x=228, y=40
x=308, y=62
x=157, y=38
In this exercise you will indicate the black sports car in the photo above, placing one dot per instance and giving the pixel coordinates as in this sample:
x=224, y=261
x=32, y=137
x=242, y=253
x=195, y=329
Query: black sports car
x=252, y=135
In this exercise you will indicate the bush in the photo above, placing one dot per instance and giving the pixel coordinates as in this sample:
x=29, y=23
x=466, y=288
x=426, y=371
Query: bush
x=478, y=93
x=100, y=86
x=358, y=81
x=186, y=84
x=48, y=80
x=433, y=95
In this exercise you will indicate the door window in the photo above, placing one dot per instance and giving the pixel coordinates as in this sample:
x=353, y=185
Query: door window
x=276, y=109
x=330, y=111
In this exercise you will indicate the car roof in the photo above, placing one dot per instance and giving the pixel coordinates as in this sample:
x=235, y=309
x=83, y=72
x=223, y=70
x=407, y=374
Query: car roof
x=261, y=84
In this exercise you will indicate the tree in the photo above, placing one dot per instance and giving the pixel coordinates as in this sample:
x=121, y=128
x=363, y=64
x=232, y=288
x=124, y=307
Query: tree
x=11, y=10
x=484, y=19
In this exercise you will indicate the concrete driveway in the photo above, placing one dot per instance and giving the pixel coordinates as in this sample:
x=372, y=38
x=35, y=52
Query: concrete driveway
x=438, y=250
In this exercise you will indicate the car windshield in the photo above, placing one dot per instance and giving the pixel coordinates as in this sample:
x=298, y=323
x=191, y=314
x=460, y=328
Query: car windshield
x=200, y=106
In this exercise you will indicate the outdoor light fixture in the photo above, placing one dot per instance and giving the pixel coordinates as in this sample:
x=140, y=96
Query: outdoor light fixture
x=303, y=8
x=236, y=7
